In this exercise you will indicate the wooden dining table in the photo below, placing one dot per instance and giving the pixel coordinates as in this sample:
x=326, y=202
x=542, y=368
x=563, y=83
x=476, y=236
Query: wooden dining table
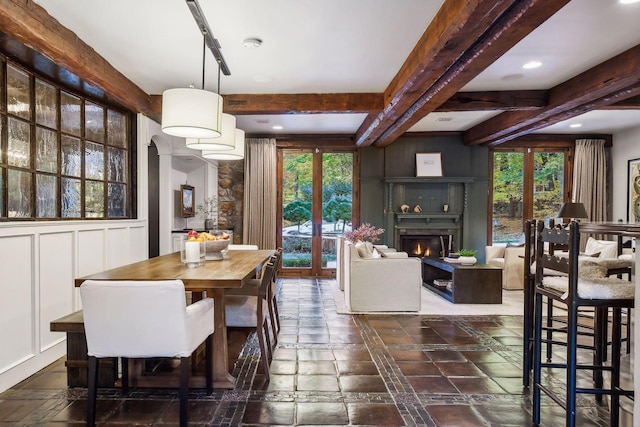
x=212, y=277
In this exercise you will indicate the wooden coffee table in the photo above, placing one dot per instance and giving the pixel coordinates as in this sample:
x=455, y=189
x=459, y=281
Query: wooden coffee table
x=470, y=284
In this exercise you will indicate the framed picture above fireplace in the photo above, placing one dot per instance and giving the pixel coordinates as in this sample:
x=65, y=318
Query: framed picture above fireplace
x=428, y=164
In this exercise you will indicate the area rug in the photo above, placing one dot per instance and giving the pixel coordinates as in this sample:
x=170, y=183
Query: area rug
x=433, y=304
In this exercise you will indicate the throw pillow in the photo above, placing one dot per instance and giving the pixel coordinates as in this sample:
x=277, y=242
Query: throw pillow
x=607, y=249
x=365, y=249
x=375, y=253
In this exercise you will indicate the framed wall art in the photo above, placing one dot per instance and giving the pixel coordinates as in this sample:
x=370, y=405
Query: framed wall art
x=428, y=164
x=187, y=201
x=633, y=191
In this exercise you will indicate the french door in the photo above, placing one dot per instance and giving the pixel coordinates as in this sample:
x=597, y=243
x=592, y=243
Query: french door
x=527, y=183
x=316, y=200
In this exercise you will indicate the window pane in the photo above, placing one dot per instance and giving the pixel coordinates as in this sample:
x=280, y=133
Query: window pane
x=19, y=153
x=18, y=92
x=70, y=156
x=46, y=196
x=46, y=105
x=297, y=205
x=117, y=200
x=70, y=113
x=47, y=150
x=19, y=191
x=117, y=129
x=117, y=165
x=508, y=181
x=70, y=198
x=337, y=178
x=94, y=200
x=94, y=122
x=548, y=184
x=94, y=161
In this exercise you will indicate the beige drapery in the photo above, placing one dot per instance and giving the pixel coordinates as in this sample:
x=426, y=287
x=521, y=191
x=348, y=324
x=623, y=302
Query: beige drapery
x=259, y=221
x=590, y=179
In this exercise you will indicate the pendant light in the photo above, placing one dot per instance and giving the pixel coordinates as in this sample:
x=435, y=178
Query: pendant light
x=225, y=142
x=236, y=154
x=190, y=112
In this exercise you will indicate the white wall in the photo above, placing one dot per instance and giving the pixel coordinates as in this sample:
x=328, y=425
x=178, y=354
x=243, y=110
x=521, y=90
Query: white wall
x=626, y=146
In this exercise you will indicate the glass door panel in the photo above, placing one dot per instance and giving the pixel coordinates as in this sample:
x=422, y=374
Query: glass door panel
x=337, y=190
x=297, y=209
x=508, y=191
x=548, y=184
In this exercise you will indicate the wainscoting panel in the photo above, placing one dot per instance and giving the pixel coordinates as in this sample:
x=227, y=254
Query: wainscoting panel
x=17, y=320
x=138, y=244
x=117, y=247
x=56, y=283
x=91, y=252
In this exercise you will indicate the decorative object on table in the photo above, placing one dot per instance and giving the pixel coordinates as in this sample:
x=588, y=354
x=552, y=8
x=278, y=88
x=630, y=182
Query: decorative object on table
x=192, y=250
x=215, y=242
x=209, y=208
x=467, y=256
x=417, y=209
x=445, y=208
x=365, y=233
x=633, y=191
x=428, y=164
x=404, y=208
x=187, y=200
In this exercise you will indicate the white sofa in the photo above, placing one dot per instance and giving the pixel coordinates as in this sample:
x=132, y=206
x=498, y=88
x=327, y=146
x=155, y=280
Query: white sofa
x=392, y=282
x=511, y=260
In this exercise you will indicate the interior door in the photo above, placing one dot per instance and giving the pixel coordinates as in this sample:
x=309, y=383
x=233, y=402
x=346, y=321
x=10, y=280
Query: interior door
x=316, y=201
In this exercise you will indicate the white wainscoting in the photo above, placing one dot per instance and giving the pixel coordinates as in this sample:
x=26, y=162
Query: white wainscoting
x=39, y=263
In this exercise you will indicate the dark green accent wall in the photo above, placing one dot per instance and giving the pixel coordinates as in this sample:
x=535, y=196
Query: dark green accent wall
x=399, y=160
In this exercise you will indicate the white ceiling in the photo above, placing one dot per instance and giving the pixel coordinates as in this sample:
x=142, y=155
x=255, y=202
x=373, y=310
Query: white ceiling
x=337, y=46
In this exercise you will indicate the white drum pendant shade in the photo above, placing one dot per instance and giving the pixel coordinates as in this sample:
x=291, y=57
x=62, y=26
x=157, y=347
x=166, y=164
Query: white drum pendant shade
x=236, y=154
x=224, y=142
x=191, y=113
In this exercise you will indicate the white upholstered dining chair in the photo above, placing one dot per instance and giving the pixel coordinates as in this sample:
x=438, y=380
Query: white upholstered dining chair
x=144, y=319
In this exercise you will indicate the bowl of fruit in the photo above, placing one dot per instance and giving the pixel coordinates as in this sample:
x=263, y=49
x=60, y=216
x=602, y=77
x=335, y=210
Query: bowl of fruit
x=214, y=243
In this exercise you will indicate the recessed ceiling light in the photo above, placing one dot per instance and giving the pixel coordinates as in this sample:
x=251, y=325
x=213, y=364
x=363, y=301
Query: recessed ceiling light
x=252, y=43
x=277, y=127
x=444, y=119
x=575, y=125
x=531, y=65
x=629, y=1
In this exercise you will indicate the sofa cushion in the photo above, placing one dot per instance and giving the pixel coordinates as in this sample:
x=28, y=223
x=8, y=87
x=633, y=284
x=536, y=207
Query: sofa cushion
x=395, y=254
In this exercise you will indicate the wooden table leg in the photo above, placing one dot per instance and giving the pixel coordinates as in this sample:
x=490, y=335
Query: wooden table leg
x=221, y=376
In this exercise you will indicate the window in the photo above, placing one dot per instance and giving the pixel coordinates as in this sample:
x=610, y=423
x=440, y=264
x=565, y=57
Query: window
x=527, y=183
x=62, y=155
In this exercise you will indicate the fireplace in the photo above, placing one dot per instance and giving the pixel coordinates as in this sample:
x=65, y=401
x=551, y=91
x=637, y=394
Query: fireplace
x=427, y=245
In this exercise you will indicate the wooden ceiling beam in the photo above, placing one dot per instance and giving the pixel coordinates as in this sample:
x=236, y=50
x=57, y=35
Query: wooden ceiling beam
x=461, y=41
x=32, y=26
x=508, y=100
x=605, y=84
x=632, y=103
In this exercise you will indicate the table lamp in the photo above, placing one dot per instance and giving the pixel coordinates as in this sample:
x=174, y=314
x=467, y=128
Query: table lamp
x=572, y=210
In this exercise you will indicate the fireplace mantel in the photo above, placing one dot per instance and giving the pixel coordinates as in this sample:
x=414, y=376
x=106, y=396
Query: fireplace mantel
x=431, y=194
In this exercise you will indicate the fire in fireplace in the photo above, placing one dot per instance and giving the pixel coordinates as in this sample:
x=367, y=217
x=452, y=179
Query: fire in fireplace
x=433, y=246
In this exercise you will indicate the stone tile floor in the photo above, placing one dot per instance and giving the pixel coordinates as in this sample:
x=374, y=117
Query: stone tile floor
x=331, y=369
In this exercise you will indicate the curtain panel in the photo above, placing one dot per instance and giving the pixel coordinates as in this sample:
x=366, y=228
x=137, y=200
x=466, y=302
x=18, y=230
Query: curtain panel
x=590, y=178
x=259, y=221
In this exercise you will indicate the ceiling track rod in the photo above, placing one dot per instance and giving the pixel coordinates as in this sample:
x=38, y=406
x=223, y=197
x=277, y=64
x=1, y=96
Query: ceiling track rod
x=212, y=42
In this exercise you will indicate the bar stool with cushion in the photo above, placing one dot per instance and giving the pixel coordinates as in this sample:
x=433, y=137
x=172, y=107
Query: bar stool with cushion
x=575, y=292
x=252, y=311
x=144, y=319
